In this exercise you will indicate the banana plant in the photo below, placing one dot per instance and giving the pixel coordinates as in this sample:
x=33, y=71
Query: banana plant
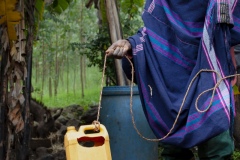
x=10, y=17
x=15, y=60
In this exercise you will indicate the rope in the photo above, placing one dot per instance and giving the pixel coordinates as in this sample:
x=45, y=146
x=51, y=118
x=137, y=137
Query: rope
x=184, y=99
x=96, y=123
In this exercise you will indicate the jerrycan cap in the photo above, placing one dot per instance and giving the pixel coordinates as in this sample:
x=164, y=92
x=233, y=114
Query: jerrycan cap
x=71, y=128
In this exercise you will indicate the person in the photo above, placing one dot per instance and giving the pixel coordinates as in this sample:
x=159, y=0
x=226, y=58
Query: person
x=183, y=60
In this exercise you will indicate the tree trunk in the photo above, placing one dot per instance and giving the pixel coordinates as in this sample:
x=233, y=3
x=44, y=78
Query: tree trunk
x=36, y=71
x=67, y=59
x=23, y=139
x=81, y=74
x=15, y=135
x=81, y=56
x=84, y=71
x=50, y=86
x=43, y=70
x=56, y=68
x=115, y=33
x=63, y=62
x=74, y=81
x=3, y=108
x=75, y=68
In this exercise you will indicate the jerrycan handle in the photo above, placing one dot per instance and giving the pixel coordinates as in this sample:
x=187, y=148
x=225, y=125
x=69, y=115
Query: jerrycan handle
x=90, y=138
x=87, y=129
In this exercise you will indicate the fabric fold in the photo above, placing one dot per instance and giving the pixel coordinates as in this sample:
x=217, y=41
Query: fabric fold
x=169, y=51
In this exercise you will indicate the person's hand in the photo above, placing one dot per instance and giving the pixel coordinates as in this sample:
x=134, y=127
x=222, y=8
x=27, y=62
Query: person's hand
x=119, y=49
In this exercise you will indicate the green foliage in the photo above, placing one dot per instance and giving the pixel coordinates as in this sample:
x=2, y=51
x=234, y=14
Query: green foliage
x=39, y=6
x=130, y=16
x=131, y=7
x=96, y=46
x=236, y=155
x=58, y=6
x=64, y=38
x=95, y=52
x=53, y=49
x=130, y=20
x=103, y=12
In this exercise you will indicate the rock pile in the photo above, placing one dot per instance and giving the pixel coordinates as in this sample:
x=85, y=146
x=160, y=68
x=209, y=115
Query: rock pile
x=52, y=147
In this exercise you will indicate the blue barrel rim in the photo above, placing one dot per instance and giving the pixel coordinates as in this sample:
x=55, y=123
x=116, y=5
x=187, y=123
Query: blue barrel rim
x=119, y=90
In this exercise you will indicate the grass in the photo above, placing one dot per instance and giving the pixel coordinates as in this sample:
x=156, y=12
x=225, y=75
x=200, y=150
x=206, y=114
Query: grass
x=64, y=99
x=91, y=91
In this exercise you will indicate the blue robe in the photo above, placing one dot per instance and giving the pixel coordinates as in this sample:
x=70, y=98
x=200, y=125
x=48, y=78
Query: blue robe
x=180, y=38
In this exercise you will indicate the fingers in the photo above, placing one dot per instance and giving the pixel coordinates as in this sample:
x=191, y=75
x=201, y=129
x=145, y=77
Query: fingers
x=118, y=52
x=113, y=47
x=118, y=49
x=110, y=50
x=125, y=49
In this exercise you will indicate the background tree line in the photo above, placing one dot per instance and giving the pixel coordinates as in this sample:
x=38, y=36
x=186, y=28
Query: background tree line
x=69, y=43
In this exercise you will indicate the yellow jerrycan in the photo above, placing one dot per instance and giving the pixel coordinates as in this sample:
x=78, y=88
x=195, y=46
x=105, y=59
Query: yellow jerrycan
x=86, y=144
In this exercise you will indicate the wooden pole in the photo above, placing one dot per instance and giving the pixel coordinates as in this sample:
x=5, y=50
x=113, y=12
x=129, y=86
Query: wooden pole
x=115, y=33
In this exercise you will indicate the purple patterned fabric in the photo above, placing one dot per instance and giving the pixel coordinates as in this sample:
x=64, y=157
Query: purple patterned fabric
x=179, y=38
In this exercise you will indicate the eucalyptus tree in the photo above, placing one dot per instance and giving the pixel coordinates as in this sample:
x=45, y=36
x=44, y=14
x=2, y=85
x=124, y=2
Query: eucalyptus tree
x=58, y=33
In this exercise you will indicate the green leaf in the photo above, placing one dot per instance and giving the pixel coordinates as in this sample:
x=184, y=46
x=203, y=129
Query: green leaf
x=63, y=4
x=58, y=9
x=236, y=90
x=131, y=6
x=59, y=6
x=39, y=5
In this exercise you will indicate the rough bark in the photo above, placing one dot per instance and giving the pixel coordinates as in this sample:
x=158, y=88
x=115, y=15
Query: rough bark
x=23, y=138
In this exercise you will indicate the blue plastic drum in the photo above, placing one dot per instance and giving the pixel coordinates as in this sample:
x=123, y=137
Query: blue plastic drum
x=115, y=114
